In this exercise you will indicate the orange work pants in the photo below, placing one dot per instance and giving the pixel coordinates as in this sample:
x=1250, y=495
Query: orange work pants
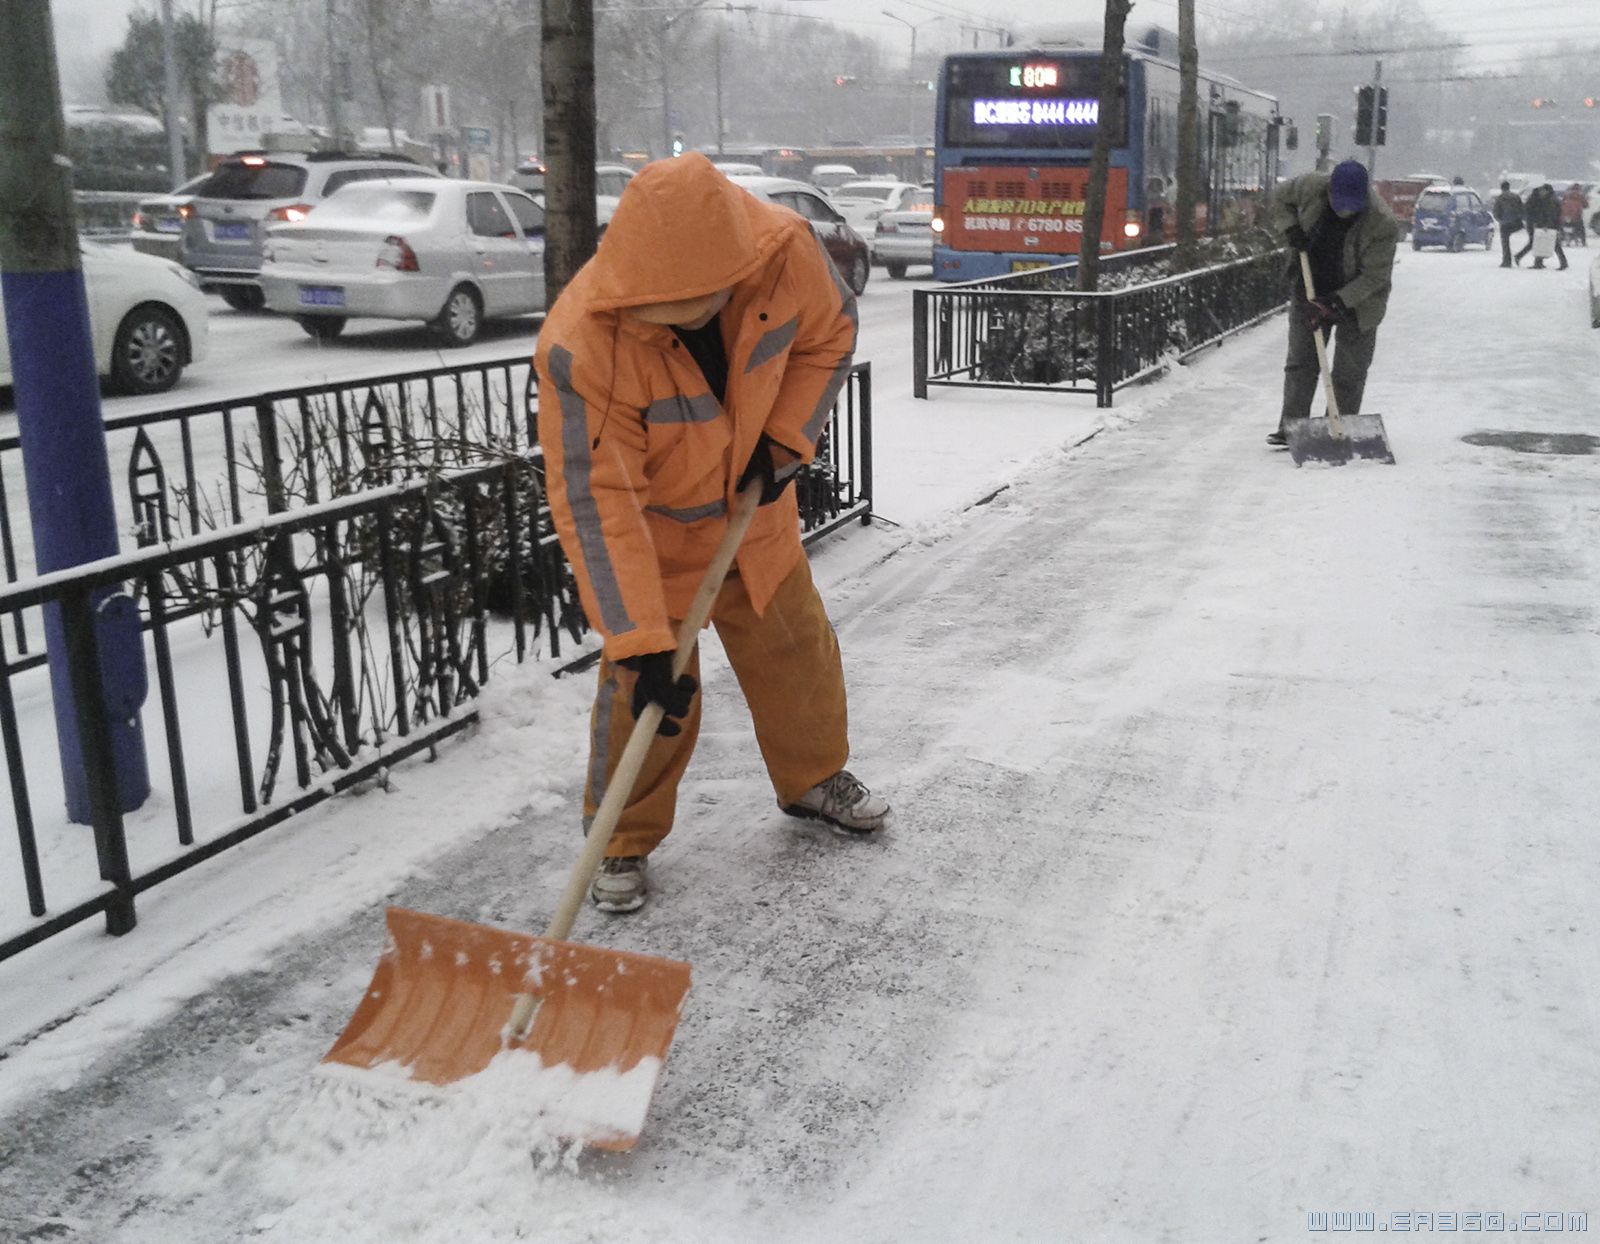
x=787, y=663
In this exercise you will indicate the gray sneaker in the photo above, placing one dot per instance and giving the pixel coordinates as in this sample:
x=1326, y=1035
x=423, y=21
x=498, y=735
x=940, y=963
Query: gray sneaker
x=620, y=884
x=845, y=803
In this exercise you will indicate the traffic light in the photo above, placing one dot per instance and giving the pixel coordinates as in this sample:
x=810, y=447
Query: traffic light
x=1544, y=103
x=677, y=145
x=1588, y=101
x=1380, y=119
x=844, y=80
x=1365, y=99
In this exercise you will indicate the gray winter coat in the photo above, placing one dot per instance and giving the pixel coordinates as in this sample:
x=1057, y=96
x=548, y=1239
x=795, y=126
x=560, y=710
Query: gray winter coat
x=1369, y=247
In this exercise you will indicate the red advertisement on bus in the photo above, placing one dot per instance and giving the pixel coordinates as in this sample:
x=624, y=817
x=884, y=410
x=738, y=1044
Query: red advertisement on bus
x=1001, y=208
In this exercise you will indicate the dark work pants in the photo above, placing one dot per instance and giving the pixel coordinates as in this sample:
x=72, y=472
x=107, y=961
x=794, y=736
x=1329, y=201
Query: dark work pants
x=1352, y=356
x=1505, y=244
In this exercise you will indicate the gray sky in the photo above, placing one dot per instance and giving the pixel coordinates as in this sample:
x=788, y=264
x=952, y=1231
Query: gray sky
x=86, y=30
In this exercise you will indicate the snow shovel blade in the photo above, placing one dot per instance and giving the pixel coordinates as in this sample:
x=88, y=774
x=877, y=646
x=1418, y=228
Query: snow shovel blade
x=438, y=1008
x=1315, y=440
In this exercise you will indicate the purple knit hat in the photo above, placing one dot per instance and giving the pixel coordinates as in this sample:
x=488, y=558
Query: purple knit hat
x=1347, y=188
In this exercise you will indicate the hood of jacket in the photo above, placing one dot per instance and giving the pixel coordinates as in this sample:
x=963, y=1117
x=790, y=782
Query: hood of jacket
x=681, y=230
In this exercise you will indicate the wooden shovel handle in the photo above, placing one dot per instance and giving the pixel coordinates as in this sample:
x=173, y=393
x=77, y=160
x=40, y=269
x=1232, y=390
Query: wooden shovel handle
x=620, y=785
x=1334, y=425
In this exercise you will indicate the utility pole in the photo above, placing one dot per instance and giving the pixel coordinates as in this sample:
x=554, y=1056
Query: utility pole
x=64, y=460
x=911, y=71
x=566, y=67
x=335, y=86
x=1188, y=133
x=177, y=168
x=721, y=21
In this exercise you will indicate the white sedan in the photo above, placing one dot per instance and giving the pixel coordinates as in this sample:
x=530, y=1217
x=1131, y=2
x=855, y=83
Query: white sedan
x=451, y=253
x=147, y=315
x=861, y=202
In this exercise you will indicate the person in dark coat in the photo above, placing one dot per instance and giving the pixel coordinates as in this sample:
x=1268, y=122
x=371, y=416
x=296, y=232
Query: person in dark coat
x=1544, y=212
x=1508, y=215
x=1349, y=235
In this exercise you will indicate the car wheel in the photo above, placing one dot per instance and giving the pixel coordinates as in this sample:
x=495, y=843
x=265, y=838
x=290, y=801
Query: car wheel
x=860, y=270
x=322, y=327
x=458, y=323
x=1416, y=243
x=896, y=271
x=148, y=354
x=1458, y=241
x=247, y=298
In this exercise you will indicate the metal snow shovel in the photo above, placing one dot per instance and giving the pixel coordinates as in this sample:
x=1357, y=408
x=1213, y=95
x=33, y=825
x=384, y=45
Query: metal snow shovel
x=1336, y=439
x=575, y=1031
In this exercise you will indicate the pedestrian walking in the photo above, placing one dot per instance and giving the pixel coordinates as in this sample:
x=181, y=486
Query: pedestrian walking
x=1349, y=236
x=1573, y=206
x=1543, y=212
x=1508, y=215
x=701, y=349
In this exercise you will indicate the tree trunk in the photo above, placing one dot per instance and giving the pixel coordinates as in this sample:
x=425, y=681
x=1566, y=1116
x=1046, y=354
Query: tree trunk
x=566, y=61
x=1110, y=124
x=1188, y=134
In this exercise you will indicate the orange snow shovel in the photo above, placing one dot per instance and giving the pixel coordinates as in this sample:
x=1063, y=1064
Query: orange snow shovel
x=1335, y=439
x=576, y=1031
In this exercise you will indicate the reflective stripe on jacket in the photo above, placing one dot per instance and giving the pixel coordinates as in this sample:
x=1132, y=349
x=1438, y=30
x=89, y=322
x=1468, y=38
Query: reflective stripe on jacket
x=641, y=459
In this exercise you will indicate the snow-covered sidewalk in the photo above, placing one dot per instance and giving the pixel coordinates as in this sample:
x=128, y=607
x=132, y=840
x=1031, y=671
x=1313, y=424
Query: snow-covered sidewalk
x=1242, y=871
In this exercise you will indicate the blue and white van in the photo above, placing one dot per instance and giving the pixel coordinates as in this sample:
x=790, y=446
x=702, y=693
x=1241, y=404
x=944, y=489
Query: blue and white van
x=1451, y=216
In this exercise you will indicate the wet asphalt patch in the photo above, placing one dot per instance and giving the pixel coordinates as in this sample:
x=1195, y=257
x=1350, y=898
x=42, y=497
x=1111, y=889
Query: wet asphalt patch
x=1567, y=444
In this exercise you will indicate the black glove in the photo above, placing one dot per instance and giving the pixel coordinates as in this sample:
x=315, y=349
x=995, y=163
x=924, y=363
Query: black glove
x=655, y=686
x=1297, y=237
x=760, y=467
x=1319, y=313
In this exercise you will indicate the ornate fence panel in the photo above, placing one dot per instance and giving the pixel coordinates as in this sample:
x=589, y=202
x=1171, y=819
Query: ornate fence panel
x=330, y=601
x=1032, y=330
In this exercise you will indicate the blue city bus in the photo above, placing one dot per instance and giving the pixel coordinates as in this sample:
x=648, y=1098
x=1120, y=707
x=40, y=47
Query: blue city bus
x=1014, y=133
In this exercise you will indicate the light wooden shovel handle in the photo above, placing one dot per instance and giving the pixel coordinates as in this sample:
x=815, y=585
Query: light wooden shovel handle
x=620, y=785
x=1334, y=425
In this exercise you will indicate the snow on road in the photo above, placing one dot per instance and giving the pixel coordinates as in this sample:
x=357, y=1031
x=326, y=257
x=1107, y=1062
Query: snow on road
x=1242, y=867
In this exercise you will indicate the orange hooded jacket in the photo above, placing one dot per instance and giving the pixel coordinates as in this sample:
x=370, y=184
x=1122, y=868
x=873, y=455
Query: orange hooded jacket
x=641, y=461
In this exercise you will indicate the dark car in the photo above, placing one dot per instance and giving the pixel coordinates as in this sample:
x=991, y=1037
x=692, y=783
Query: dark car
x=227, y=221
x=1451, y=216
x=850, y=254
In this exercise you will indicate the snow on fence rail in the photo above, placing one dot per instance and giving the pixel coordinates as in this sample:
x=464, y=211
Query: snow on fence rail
x=331, y=602
x=1033, y=330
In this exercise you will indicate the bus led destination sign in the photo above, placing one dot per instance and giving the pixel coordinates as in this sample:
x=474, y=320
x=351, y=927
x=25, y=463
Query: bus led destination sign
x=1035, y=111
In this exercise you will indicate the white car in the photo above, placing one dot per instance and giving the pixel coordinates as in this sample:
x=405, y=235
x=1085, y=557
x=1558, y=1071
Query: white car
x=452, y=253
x=862, y=202
x=148, y=317
x=827, y=176
x=905, y=236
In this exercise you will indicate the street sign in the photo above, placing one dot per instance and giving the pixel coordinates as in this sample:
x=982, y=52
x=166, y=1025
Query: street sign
x=476, y=137
x=435, y=107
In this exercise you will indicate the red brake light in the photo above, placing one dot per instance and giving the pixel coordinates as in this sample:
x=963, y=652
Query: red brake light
x=293, y=212
x=253, y=161
x=185, y=210
x=888, y=226
x=397, y=254
x=138, y=219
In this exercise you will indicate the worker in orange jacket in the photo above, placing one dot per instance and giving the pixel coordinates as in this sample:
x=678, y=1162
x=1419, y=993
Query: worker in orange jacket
x=702, y=348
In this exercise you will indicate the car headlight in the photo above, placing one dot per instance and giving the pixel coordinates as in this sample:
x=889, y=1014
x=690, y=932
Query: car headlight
x=185, y=274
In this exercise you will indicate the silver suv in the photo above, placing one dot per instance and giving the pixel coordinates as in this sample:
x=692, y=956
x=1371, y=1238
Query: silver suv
x=227, y=224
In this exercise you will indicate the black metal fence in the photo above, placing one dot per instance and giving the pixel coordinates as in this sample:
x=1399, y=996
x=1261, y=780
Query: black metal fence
x=1033, y=330
x=331, y=604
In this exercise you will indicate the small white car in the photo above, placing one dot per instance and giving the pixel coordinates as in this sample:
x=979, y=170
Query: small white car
x=862, y=202
x=451, y=253
x=147, y=315
x=827, y=176
x=905, y=236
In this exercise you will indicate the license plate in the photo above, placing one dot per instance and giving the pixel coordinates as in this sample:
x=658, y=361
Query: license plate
x=169, y=224
x=321, y=296
x=1028, y=265
x=231, y=230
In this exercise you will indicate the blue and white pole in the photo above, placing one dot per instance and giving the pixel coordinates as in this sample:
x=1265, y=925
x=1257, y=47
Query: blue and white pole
x=54, y=377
